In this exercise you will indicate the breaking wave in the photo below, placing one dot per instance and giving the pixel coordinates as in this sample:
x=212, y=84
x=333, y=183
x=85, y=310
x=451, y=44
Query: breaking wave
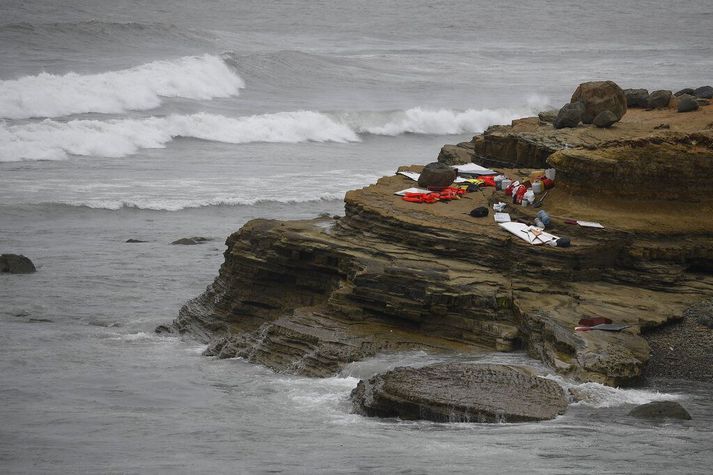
x=138, y=88
x=599, y=396
x=55, y=140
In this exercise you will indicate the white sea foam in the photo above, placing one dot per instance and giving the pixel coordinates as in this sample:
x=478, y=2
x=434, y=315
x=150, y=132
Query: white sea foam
x=598, y=395
x=54, y=140
x=138, y=88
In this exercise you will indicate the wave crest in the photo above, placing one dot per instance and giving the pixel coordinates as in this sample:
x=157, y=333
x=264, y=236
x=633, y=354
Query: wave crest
x=139, y=88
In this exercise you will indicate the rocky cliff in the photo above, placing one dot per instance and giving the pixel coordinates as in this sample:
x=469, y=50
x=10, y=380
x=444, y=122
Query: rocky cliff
x=310, y=296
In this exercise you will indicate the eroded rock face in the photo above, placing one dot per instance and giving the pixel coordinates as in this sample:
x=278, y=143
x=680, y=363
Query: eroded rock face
x=660, y=410
x=16, y=264
x=598, y=96
x=460, y=392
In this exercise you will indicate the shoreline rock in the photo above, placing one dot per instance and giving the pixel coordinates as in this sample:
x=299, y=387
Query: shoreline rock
x=460, y=392
x=442, y=279
x=16, y=264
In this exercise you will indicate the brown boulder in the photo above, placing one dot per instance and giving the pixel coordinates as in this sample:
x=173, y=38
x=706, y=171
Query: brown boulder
x=436, y=175
x=598, y=96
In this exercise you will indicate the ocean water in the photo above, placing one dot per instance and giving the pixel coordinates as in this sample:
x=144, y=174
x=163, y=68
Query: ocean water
x=160, y=120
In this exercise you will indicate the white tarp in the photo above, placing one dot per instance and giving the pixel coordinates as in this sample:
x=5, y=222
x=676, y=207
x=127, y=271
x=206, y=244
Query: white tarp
x=530, y=234
x=414, y=176
x=473, y=169
x=412, y=190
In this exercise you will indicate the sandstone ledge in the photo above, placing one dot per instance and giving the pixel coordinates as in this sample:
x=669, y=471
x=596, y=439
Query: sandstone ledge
x=310, y=296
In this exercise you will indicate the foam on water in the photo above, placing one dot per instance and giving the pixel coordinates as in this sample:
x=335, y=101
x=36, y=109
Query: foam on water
x=139, y=88
x=599, y=396
x=54, y=140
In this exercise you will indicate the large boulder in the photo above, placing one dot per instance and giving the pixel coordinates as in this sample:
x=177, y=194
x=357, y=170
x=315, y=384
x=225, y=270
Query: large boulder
x=686, y=90
x=598, y=96
x=436, y=175
x=570, y=115
x=16, y=264
x=636, y=97
x=460, y=392
x=686, y=103
x=704, y=92
x=660, y=410
x=605, y=119
x=548, y=116
x=659, y=99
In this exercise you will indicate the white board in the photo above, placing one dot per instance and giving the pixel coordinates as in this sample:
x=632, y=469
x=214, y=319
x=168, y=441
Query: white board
x=412, y=190
x=530, y=234
x=474, y=169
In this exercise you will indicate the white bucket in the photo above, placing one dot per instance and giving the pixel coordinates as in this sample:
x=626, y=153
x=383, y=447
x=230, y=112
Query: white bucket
x=537, y=187
x=550, y=173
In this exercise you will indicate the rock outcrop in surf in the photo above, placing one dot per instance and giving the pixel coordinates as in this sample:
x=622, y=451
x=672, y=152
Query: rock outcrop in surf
x=310, y=296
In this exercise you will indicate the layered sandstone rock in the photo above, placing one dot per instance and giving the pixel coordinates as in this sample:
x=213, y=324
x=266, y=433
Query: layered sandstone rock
x=460, y=392
x=310, y=296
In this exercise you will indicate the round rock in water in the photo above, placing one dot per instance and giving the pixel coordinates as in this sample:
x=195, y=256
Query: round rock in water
x=636, y=97
x=436, y=175
x=598, y=96
x=460, y=392
x=16, y=264
x=605, y=119
x=687, y=103
x=660, y=410
x=659, y=99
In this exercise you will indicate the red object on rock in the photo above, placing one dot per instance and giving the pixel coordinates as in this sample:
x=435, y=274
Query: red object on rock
x=547, y=183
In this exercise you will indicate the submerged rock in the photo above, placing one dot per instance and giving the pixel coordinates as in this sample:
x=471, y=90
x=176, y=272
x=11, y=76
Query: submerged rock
x=460, y=392
x=636, y=97
x=598, y=96
x=134, y=241
x=191, y=241
x=16, y=264
x=661, y=410
x=659, y=99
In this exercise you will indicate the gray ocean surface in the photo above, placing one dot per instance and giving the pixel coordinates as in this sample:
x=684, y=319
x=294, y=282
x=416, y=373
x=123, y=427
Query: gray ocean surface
x=156, y=120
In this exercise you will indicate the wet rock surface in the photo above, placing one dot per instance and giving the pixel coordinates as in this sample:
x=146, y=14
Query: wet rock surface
x=460, y=392
x=660, y=410
x=190, y=241
x=16, y=264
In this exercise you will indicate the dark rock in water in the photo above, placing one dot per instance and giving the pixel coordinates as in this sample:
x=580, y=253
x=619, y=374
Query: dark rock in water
x=16, y=264
x=687, y=103
x=460, y=392
x=660, y=410
x=605, y=119
x=134, y=241
x=704, y=92
x=598, y=96
x=191, y=241
x=548, y=116
x=687, y=90
x=636, y=97
x=436, y=175
x=570, y=115
x=659, y=99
